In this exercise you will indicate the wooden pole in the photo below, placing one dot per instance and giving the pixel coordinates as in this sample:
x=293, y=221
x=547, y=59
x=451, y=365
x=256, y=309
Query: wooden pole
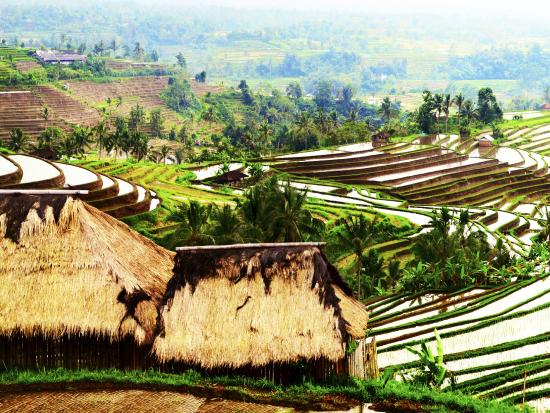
x=524, y=386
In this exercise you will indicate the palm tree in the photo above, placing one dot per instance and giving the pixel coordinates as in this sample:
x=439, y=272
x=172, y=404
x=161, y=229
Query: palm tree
x=357, y=233
x=264, y=130
x=458, y=101
x=446, y=107
x=226, y=225
x=469, y=111
x=254, y=209
x=164, y=152
x=82, y=139
x=101, y=136
x=291, y=221
x=321, y=120
x=304, y=123
x=450, y=253
x=438, y=107
x=140, y=145
x=51, y=139
x=18, y=141
x=192, y=222
x=386, y=109
x=353, y=115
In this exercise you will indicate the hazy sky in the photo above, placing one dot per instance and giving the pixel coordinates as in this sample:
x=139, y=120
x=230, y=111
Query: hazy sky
x=525, y=7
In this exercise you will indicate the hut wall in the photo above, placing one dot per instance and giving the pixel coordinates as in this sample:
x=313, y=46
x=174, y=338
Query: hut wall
x=280, y=373
x=71, y=352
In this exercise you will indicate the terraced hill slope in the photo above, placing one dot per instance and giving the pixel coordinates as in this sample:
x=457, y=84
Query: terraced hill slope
x=116, y=196
x=495, y=340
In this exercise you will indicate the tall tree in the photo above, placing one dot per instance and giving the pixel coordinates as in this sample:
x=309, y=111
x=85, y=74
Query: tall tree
x=113, y=46
x=386, y=109
x=264, y=130
x=488, y=109
x=192, y=221
x=165, y=151
x=82, y=138
x=446, y=107
x=226, y=225
x=180, y=59
x=357, y=233
x=156, y=121
x=424, y=115
x=101, y=135
x=438, y=108
x=291, y=221
x=458, y=101
x=137, y=118
x=469, y=111
x=139, y=52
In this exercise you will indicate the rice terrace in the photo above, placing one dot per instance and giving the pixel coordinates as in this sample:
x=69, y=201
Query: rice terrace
x=279, y=207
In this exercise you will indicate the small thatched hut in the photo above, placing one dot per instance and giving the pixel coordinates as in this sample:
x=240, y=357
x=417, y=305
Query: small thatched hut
x=261, y=309
x=78, y=288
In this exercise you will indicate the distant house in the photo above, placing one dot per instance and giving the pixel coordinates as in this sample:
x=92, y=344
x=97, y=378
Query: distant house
x=231, y=177
x=64, y=57
x=486, y=141
x=546, y=107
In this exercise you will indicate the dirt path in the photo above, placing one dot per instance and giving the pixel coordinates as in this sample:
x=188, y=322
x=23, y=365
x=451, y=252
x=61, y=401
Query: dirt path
x=125, y=401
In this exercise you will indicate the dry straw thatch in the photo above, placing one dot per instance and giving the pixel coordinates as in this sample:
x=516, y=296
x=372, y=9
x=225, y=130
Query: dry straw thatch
x=67, y=268
x=233, y=308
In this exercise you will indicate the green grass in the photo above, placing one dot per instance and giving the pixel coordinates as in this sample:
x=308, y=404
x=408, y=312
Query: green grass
x=264, y=391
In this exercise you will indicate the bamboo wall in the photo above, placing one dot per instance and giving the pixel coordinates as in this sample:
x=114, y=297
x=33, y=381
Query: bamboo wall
x=71, y=352
x=90, y=352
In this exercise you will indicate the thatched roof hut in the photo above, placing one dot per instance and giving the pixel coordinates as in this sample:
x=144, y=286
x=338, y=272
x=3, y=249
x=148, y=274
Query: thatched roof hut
x=239, y=306
x=67, y=269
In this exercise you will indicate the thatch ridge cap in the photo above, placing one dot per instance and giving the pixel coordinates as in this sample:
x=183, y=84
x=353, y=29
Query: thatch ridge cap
x=252, y=246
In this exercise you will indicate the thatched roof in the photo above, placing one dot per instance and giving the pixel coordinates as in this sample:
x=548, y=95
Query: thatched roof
x=68, y=268
x=241, y=306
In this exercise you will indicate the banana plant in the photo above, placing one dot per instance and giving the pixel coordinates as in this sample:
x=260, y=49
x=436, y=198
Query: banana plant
x=433, y=369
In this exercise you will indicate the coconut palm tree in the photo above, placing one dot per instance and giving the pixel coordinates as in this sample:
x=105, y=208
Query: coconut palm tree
x=304, y=122
x=458, y=101
x=446, y=107
x=357, y=233
x=18, y=141
x=321, y=120
x=164, y=151
x=140, y=145
x=386, y=109
x=290, y=220
x=264, y=130
x=192, y=224
x=82, y=138
x=226, y=225
x=254, y=210
x=469, y=111
x=101, y=136
x=438, y=107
